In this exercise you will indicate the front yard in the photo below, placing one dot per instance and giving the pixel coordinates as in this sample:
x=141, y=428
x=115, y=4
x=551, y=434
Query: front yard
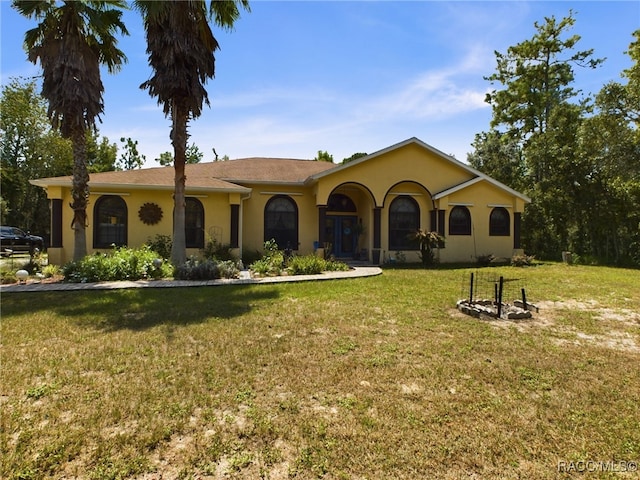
x=370, y=378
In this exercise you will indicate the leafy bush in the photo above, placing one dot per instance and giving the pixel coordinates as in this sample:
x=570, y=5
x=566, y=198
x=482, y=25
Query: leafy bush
x=215, y=250
x=306, y=265
x=7, y=277
x=250, y=256
x=207, y=269
x=312, y=265
x=196, y=269
x=485, y=260
x=522, y=260
x=272, y=261
x=161, y=244
x=334, y=266
x=32, y=266
x=267, y=266
x=51, y=271
x=230, y=268
x=120, y=264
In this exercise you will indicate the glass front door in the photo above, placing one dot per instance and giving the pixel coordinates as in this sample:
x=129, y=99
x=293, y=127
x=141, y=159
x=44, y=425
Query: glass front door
x=340, y=233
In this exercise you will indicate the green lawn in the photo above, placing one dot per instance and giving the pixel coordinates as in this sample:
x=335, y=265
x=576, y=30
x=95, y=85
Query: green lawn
x=371, y=378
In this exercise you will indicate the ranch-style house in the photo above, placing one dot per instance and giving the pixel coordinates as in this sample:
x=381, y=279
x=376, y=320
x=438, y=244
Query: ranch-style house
x=365, y=209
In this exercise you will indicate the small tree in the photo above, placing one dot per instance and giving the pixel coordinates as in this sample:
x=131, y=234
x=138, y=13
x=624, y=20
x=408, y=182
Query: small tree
x=428, y=241
x=324, y=156
x=131, y=158
x=353, y=157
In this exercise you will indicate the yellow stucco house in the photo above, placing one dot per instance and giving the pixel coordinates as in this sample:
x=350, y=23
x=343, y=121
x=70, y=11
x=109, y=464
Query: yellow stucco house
x=363, y=209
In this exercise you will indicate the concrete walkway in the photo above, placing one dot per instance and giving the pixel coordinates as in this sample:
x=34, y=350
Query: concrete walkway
x=245, y=279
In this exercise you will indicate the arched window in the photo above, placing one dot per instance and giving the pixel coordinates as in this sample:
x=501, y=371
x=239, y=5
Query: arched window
x=404, y=221
x=499, y=222
x=460, y=221
x=281, y=222
x=109, y=222
x=194, y=223
x=340, y=203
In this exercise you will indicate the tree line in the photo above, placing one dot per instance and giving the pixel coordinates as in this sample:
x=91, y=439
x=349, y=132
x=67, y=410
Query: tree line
x=578, y=159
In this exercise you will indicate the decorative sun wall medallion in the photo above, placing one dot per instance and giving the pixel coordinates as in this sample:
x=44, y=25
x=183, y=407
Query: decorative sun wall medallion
x=150, y=213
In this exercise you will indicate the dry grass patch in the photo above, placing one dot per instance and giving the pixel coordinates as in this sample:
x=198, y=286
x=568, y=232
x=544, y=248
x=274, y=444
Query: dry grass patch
x=367, y=378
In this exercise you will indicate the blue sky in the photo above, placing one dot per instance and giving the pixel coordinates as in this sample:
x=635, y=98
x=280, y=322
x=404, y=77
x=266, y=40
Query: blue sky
x=295, y=77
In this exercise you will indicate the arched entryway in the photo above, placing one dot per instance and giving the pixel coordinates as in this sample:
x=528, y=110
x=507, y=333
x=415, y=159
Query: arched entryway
x=341, y=227
x=346, y=222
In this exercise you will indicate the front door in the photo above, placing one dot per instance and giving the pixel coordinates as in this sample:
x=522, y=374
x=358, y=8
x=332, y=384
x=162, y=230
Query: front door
x=340, y=232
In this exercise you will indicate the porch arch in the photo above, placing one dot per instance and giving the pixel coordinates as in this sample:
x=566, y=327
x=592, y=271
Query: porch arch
x=345, y=221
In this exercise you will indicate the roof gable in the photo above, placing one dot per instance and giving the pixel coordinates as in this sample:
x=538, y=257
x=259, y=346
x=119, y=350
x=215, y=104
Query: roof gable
x=477, y=175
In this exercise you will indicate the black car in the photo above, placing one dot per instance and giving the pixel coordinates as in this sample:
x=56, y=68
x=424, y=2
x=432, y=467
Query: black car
x=14, y=240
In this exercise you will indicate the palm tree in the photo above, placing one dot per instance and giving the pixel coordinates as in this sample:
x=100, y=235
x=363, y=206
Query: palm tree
x=71, y=42
x=181, y=49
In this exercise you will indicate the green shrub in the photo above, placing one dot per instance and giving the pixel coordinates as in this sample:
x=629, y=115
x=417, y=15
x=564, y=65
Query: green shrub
x=215, y=250
x=196, y=269
x=51, y=270
x=272, y=261
x=207, y=269
x=522, y=260
x=306, y=265
x=7, y=277
x=161, y=244
x=230, y=268
x=312, y=265
x=268, y=266
x=485, y=260
x=250, y=256
x=120, y=264
x=32, y=267
x=335, y=266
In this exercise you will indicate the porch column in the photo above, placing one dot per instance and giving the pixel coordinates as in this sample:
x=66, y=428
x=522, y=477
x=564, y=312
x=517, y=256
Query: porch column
x=56, y=223
x=235, y=226
x=322, y=216
x=517, y=221
x=55, y=249
x=377, y=235
x=377, y=227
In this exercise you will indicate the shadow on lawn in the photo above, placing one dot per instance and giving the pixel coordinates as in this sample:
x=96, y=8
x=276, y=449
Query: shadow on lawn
x=139, y=309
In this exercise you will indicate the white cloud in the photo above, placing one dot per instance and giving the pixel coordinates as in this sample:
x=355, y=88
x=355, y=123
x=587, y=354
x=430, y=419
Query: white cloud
x=432, y=94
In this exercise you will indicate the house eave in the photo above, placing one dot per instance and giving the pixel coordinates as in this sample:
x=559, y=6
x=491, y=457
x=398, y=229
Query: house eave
x=135, y=186
x=266, y=182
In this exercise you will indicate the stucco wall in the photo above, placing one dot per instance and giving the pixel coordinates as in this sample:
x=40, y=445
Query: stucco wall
x=216, y=217
x=253, y=216
x=480, y=199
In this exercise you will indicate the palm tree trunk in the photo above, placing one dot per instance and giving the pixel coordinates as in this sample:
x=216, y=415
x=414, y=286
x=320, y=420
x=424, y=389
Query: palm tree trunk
x=179, y=141
x=79, y=194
